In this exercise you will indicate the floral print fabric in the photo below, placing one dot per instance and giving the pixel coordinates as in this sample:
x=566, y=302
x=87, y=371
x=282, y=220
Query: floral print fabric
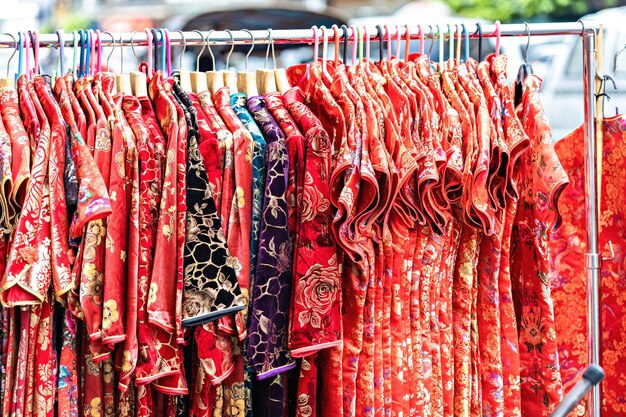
x=567, y=270
x=370, y=242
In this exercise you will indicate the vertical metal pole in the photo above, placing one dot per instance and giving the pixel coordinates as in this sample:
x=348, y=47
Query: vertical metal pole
x=592, y=257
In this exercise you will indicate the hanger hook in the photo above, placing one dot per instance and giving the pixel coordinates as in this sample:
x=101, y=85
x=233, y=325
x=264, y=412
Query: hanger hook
x=232, y=47
x=316, y=43
x=432, y=40
x=113, y=43
x=466, y=35
x=346, y=34
x=335, y=29
x=407, y=42
x=251, y=47
x=527, y=42
x=479, y=29
x=497, y=37
x=14, y=52
x=324, y=46
x=381, y=35
x=182, y=54
x=270, y=44
x=204, y=44
x=132, y=44
x=208, y=45
x=61, y=66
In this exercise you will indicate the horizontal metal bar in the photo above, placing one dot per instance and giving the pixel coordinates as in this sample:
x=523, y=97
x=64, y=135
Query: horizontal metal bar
x=294, y=36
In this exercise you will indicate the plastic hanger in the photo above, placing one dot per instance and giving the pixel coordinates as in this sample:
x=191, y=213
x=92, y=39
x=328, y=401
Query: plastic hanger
x=154, y=49
x=380, y=34
x=266, y=78
x=335, y=29
x=8, y=81
x=75, y=53
x=366, y=39
x=524, y=70
x=498, y=37
x=450, y=45
x=479, y=29
x=441, y=48
x=246, y=80
x=388, y=36
x=87, y=63
x=168, y=52
x=407, y=43
x=467, y=44
x=81, y=61
x=398, y=39
x=214, y=78
x=360, y=36
x=230, y=78
x=324, y=51
x=355, y=40
x=459, y=41
x=346, y=34
x=99, y=45
x=29, y=69
x=61, y=61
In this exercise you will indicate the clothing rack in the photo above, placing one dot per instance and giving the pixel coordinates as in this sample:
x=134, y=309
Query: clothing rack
x=587, y=30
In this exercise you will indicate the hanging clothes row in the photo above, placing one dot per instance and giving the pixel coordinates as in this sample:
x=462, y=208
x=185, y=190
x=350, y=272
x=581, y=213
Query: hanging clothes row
x=330, y=239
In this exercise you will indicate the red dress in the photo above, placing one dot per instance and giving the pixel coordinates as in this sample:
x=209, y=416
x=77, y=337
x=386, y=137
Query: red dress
x=540, y=179
x=567, y=269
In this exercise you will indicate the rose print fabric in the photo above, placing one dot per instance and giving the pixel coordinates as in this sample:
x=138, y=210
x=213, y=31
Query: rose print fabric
x=370, y=242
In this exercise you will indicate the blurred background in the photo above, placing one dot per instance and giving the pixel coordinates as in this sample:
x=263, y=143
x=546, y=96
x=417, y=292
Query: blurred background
x=557, y=60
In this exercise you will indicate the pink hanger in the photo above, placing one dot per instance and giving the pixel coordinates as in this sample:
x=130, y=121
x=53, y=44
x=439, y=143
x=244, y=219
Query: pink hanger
x=149, y=44
x=398, y=38
x=407, y=43
x=335, y=29
x=27, y=51
x=388, y=34
x=99, y=45
x=316, y=42
x=354, y=47
x=498, y=34
x=36, y=51
x=168, y=51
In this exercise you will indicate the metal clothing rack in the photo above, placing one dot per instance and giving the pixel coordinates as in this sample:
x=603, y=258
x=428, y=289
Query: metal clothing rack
x=587, y=30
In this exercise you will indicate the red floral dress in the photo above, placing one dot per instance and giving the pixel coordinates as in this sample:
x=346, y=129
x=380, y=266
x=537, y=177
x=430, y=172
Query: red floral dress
x=568, y=282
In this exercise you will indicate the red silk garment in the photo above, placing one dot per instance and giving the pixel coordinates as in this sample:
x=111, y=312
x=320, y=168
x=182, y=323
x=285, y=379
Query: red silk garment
x=567, y=269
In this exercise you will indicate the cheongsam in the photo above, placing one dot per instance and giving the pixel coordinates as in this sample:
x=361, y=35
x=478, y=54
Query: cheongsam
x=541, y=180
x=568, y=281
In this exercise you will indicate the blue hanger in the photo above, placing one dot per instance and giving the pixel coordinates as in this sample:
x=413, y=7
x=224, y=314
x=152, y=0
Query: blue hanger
x=81, y=62
x=88, y=54
x=163, y=51
x=20, y=57
x=467, y=48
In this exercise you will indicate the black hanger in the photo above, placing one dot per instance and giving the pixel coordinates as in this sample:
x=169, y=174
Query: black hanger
x=479, y=29
x=344, y=28
x=154, y=49
x=381, y=34
x=524, y=71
